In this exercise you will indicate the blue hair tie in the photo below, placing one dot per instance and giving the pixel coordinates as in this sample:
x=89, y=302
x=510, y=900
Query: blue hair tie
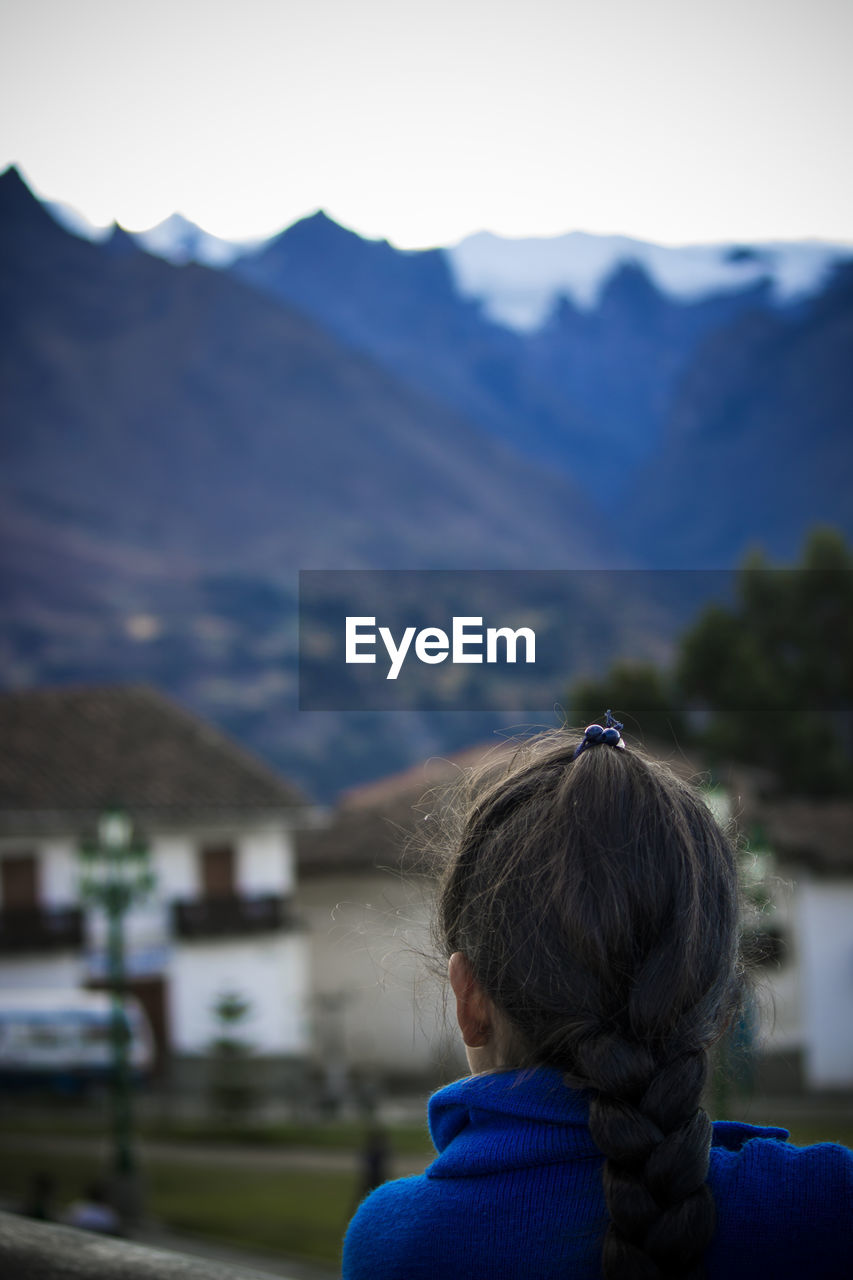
x=609, y=733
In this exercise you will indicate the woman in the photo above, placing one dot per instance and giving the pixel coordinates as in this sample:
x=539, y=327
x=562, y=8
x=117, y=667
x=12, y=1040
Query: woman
x=590, y=917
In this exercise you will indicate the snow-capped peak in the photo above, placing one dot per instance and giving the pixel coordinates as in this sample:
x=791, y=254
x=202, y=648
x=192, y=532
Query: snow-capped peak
x=520, y=279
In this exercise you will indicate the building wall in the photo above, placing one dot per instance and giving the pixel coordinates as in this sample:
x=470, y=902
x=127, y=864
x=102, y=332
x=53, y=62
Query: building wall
x=825, y=941
x=59, y=872
x=270, y=971
x=266, y=862
x=174, y=860
x=57, y=888
x=63, y=970
x=375, y=1002
x=777, y=986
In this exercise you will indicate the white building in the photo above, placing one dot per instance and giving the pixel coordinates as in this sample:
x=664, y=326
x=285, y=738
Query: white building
x=807, y=999
x=367, y=885
x=219, y=826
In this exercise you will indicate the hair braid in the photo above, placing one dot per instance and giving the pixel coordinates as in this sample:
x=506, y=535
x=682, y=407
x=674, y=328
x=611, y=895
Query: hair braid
x=657, y=1148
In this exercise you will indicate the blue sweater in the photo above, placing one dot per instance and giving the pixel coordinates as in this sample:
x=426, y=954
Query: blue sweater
x=515, y=1192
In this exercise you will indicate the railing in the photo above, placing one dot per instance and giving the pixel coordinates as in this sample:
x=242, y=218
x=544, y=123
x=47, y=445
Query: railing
x=41, y=929
x=210, y=917
x=41, y=1251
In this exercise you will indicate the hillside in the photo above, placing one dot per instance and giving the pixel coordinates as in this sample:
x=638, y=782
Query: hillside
x=175, y=445
x=175, y=408
x=586, y=393
x=757, y=446
x=594, y=391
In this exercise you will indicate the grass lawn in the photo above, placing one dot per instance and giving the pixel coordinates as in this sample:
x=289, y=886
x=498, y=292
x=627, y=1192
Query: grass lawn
x=344, y=1135
x=293, y=1213
x=818, y=1129
x=405, y=1140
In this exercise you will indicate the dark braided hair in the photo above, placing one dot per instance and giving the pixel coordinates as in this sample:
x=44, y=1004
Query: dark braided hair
x=596, y=902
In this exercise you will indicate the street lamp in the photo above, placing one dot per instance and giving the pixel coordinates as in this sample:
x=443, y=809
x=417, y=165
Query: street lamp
x=116, y=872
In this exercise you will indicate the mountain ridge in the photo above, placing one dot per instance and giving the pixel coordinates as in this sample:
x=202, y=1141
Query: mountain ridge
x=128, y=303
x=759, y=429
x=566, y=395
x=518, y=279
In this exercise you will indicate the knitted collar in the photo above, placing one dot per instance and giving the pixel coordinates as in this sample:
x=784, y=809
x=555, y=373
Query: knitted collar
x=508, y=1120
x=516, y=1119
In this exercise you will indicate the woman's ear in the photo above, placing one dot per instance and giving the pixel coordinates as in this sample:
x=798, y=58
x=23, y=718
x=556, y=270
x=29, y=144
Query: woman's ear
x=473, y=1006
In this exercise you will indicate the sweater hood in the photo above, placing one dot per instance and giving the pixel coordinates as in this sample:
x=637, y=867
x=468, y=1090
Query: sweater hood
x=503, y=1120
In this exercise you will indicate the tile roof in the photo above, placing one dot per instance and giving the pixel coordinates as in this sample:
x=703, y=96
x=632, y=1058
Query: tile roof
x=69, y=752
x=376, y=825
x=810, y=834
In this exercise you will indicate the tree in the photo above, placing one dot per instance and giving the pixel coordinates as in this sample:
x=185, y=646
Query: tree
x=774, y=671
x=638, y=694
x=231, y=1089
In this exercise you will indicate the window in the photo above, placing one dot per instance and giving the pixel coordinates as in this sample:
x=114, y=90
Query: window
x=19, y=881
x=217, y=871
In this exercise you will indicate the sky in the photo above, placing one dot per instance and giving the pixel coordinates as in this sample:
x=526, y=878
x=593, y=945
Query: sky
x=679, y=121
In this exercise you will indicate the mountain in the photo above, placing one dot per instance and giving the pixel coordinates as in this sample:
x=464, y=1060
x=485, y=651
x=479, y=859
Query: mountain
x=586, y=393
x=176, y=407
x=519, y=280
x=620, y=364
x=178, y=240
x=601, y=393
x=174, y=445
x=407, y=379
x=176, y=441
x=757, y=446
x=72, y=220
x=404, y=310
x=589, y=390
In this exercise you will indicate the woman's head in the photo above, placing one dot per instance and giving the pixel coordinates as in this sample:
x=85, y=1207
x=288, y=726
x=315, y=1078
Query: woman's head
x=594, y=900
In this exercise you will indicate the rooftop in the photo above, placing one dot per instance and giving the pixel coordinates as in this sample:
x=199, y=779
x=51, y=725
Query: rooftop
x=804, y=834
x=70, y=752
x=376, y=825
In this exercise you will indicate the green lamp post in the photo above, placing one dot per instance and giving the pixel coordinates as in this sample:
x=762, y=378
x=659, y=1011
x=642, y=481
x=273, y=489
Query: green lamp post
x=116, y=873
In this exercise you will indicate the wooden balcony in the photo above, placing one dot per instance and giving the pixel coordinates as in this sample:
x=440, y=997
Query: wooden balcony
x=41, y=929
x=232, y=916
